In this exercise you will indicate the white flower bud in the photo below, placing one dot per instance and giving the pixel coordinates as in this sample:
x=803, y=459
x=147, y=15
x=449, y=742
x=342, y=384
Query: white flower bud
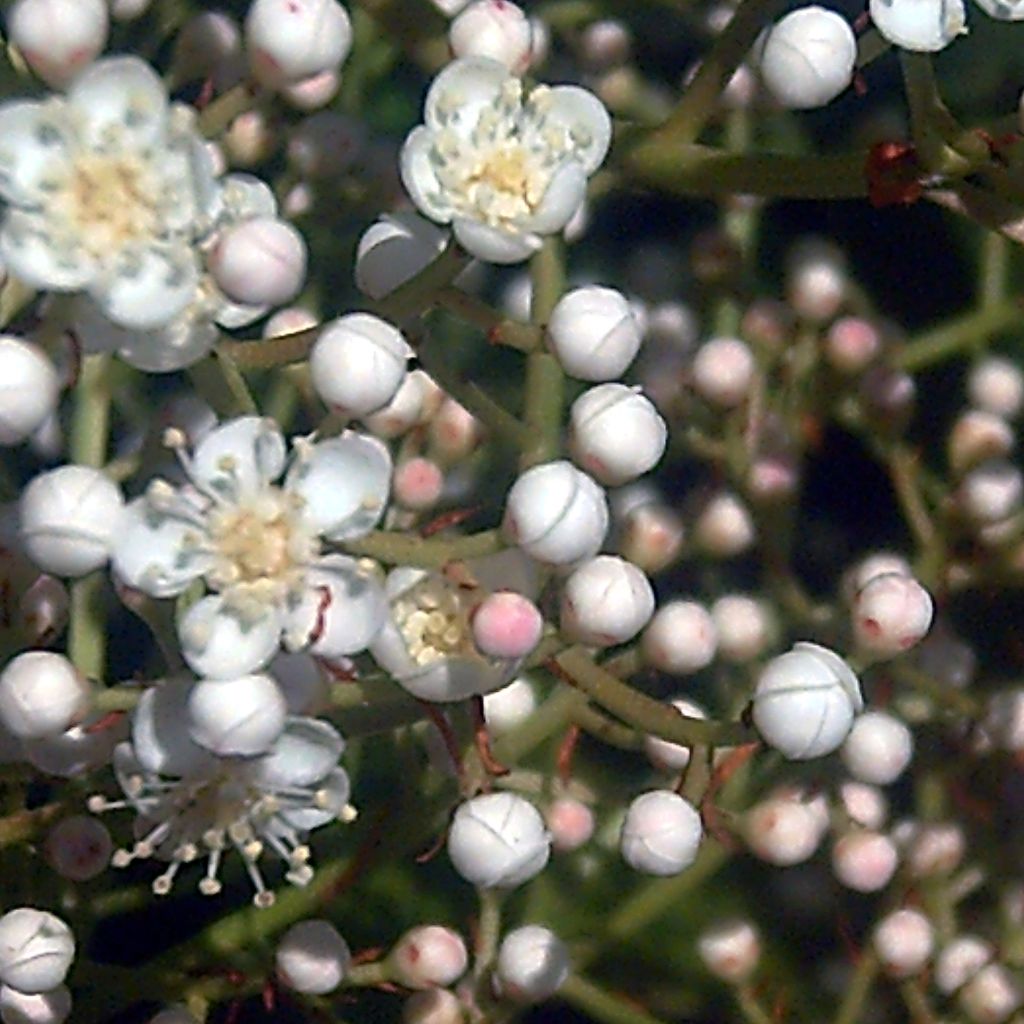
x=919, y=24
x=724, y=527
x=393, y=249
x=313, y=93
x=680, y=638
x=904, y=941
x=496, y=29
x=449, y=8
x=976, y=437
x=605, y=43
x=236, y=717
x=251, y=138
x=53, y=1007
x=605, y=601
x=433, y=1006
x=509, y=707
x=326, y=144
x=991, y=492
x=36, y=950
x=935, y=849
x=665, y=755
x=312, y=958
x=42, y=694
x=259, y=262
x=29, y=389
x=864, y=805
x=891, y=613
x=43, y=609
x=594, y=333
x=852, y=344
x=996, y=385
x=782, y=831
x=556, y=514
x=723, y=371
x=616, y=433
x=358, y=363
x=730, y=950
x=570, y=822
x=991, y=996
x=428, y=956
x=411, y=405
x=878, y=748
x=661, y=833
x=498, y=841
x=69, y=519
x=805, y=700
x=533, y=963
x=816, y=280
x=58, y=38
x=807, y=58
x=293, y=39
x=959, y=961
x=864, y=861
x=78, y=848
x=745, y=626
x=651, y=536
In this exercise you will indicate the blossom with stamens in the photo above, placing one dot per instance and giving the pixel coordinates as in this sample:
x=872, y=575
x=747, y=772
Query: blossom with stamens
x=258, y=544
x=501, y=167
x=193, y=805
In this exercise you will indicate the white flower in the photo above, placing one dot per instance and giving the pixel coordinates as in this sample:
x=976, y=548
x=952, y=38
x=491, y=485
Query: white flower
x=258, y=545
x=192, y=804
x=924, y=26
x=501, y=168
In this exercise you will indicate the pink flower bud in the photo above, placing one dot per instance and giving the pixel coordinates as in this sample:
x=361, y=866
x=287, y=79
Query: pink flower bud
x=496, y=29
x=417, y=484
x=991, y=996
x=976, y=437
x=251, y=138
x=454, y=432
x=680, y=639
x=959, y=961
x=816, y=278
x=314, y=92
x=745, y=626
x=991, y=492
x=723, y=372
x=852, y=344
x=605, y=43
x=864, y=805
x=730, y=950
x=411, y=405
x=58, y=38
x=904, y=941
x=878, y=749
x=782, y=831
x=864, y=861
x=571, y=824
x=78, y=848
x=996, y=385
x=891, y=613
x=428, y=956
x=506, y=625
x=935, y=849
x=651, y=536
x=724, y=527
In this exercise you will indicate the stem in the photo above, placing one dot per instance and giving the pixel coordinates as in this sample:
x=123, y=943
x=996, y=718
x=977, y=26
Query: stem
x=220, y=383
x=857, y=991
x=425, y=553
x=605, y=729
x=500, y=330
x=751, y=1009
x=488, y=931
x=601, y=1004
x=219, y=114
x=957, y=335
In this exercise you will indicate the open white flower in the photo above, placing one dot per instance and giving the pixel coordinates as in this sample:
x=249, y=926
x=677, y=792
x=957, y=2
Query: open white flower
x=502, y=168
x=192, y=804
x=258, y=545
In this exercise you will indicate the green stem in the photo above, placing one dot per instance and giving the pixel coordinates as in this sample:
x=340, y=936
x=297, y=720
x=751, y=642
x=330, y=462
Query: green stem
x=602, y=1005
x=751, y=1009
x=858, y=989
x=219, y=114
x=500, y=330
x=219, y=381
x=488, y=933
x=425, y=552
x=957, y=336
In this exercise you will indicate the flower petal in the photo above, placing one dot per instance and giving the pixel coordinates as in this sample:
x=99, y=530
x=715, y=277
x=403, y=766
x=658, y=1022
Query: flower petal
x=35, y=149
x=217, y=643
x=233, y=315
x=160, y=739
x=305, y=752
x=32, y=254
x=452, y=679
x=333, y=794
x=461, y=90
x=419, y=177
x=240, y=457
x=179, y=344
x=147, y=286
x=244, y=196
x=586, y=120
x=492, y=245
x=562, y=198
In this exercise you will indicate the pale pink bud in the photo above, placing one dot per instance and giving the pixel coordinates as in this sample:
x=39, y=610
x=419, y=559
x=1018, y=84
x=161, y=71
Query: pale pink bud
x=864, y=861
x=904, y=941
x=773, y=478
x=313, y=958
x=680, y=638
x=976, y=437
x=745, y=627
x=724, y=527
x=260, y=262
x=417, y=484
x=723, y=372
x=891, y=613
x=454, y=432
x=991, y=492
x=651, y=536
x=605, y=43
x=852, y=344
x=314, y=92
x=78, y=848
x=288, y=321
x=605, y=601
x=996, y=385
x=506, y=625
x=959, y=961
x=878, y=749
x=496, y=29
x=58, y=38
x=411, y=405
x=251, y=138
x=433, y=1006
x=730, y=950
x=428, y=956
x=782, y=832
x=864, y=805
x=570, y=822
x=935, y=849
x=816, y=280
x=991, y=996
x=292, y=39
x=661, y=833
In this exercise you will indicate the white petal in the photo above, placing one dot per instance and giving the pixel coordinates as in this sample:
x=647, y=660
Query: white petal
x=566, y=190
x=344, y=483
x=217, y=644
x=35, y=149
x=494, y=246
x=244, y=196
x=305, y=752
x=419, y=178
x=160, y=739
x=240, y=457
x=453, y=679
x=1003, y=10
x=925, y=26
x=120, y=103
x=233, y=315
x=585, y=118
x=151, y=552
x=181, y=343
x=389, y=650
x=32, y=254
x=147, y=287
x=461, y=90
x=334, y=792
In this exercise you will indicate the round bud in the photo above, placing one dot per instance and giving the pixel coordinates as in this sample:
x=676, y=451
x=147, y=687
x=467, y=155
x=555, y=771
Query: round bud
x=29, y=389
x=58, y=38
x=570, y=822
x=42, y=694
x=680, y=638
x=411, y=405
x=605, y=43
x=53, y=1007
x=433, y=1006
x=236, y=717
x=454, y=432
x=724, y=527
x=976, y=437
x=312, y=958
x=878, y=564
x=498, y=841
x=996, y=385
x=651, y=536
x=935, y=849
x=313, y=93
x=852, y=344
x=533, y=963
x=417, y=484
x=69, y=519
x=605, y=601
x=78, y=848
x=496, y=29
x=616, y=433
x=292, y=39
x=358, y=363
x=128, y=10
x=723, y=371
x=206, y=44
x=781, y=831
x=594, y=333
x=251, y=138
x=36, y=950
x=730, y=950
x=259, y=262
x=661, y=833
x=878, y=748
x=556, y=514
x=506, y=625
x=805, y=701
x=509, y=707
x=428, y=956
x=326, y=144
x=816, y=280
x=891, y=613
x=665, y=755
x=991, y=996
x=744, y=626
x=914, y=25
x=807, y=58
x=991, y=492
x=219, y=645
x=959, y=961
x=864, y=861
x=903, y=941
x=864, y=805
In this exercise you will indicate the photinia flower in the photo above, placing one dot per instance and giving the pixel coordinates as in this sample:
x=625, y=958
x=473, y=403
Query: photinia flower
x=257, y=545
x=502, y=168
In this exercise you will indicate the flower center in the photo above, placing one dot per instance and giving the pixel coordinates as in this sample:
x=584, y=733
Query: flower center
x=434, y=624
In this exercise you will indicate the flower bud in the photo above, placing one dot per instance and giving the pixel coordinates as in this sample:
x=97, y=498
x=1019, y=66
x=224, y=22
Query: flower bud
x=509, y=707
x=864, y=805
x=417, y=484
x=293, y=39
x=325, y=145
x=864, y=861
x=43, y=609
x=680, y=638
x=877, y=564
x=219, y=645
x=42, y=694
x=991, y=492
x=556, y=514
x=724, y=527
x=78, y=848
x=991, y=996
x=996, y=385
x=917, y=24
x=976, y=437
x=36, y=950
x=259, y=262
x=498, y=841
x=816, y=279
x=236, y=717
x=207, y=44
x=358, y=363
x=804, y=702
x=532, y=965
x=935, y=849
x=506, y=625
x=903, y=941
x=616, y=433
x=53, y=1007
x=69, y=519
x=665, y=755
x=807, y=58
x=428, y=956
x=29, y=389
x=744, y=626
x=723, y=372
x=878, y=748
x=891, y=613
x=661, y=833
x=433, y=1006
x=58, y=38
x=251, y=138
x=570, y=822
x=496, y=29
x=852, y=344
x=782, y=831
x=888, y=396
x=651, y=536
x=959, y=961
x=605, y=601
x=594, y=333
x=454, y=432
x=605, y=44
x=312, y=958
x=313, y=93
x=411, y=405
x=730, y=950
